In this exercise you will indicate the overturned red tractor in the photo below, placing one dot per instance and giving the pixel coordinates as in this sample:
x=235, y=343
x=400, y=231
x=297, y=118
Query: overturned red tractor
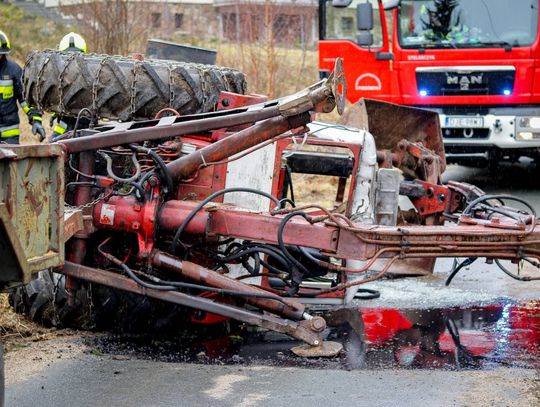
x=198, y=209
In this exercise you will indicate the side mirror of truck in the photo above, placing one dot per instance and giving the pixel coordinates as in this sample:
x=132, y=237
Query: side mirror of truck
x=364, y=23
x=364, y=16
x=364, y=38
x=341, y=3
x=390, y=4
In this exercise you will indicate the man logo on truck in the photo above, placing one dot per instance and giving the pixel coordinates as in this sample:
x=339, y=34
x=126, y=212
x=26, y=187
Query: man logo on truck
x=464, y=81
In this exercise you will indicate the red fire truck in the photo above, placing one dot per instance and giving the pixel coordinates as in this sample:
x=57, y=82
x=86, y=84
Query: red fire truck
x=475, y=62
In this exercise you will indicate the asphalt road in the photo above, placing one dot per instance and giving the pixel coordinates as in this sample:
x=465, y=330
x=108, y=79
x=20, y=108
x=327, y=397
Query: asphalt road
x=71, y=372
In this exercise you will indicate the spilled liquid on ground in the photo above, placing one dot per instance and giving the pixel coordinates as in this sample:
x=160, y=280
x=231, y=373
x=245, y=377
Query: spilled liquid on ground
x=476, y=337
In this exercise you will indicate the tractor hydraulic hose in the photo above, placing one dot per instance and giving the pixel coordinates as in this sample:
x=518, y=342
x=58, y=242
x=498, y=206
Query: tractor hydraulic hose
x=249, y=251
x=164, y=171
x=514, y=276
x=209, y=199
x=199, y=274
x=456, y=269
x=484, y=198
x=367, y=294
x=164, y=285
x=281, y=243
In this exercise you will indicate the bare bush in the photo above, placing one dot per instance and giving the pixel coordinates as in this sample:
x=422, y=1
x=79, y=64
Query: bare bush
x=111, y=27
x=272, y=42
x=27, y=32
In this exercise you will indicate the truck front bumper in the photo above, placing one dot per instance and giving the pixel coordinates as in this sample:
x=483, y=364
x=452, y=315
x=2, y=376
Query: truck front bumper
x=487, y=136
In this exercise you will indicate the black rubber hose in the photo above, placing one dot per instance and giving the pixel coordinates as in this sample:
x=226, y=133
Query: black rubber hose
x=267, y=247
x=257, y=263
x=484, y=198
x=251, y=250
x=273, y=269
x=495, y=209
x=367, y=294
x=456, y=270
x=291, y=187
x=288, y=184
x=211, y=197
x=164, y=171
x=514, y=276
x=307, y=254
x=163, y=285
x=281, y=243
x=139, y=188
x=287, y=200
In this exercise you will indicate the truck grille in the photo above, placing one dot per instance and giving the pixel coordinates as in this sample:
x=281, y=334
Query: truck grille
x=438, y=82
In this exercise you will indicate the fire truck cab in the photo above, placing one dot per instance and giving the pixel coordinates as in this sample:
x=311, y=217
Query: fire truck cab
x=474, y=62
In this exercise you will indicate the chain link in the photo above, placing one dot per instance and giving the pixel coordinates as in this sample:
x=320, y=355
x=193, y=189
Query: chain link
x=133, y=92
x=26, y=64
x=55, y=291
x=171, y=88
x=90, y=204
x=204, y=89
x=90, y=298
x=70, y=58
x=95, y=85
x=38, y=80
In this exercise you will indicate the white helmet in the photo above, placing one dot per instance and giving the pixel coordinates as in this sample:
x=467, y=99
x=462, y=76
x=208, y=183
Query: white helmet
x=5, y=45
x=72, y=42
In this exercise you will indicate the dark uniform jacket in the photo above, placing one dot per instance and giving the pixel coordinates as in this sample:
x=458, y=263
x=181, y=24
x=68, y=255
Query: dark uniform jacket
x=10, y=94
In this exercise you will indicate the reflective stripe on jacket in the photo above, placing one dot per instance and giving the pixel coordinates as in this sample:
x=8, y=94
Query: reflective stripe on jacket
x=11, y=93
x=10, y=131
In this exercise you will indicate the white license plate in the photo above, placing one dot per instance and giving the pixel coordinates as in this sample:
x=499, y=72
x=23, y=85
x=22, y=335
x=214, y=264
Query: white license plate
x=464, y=122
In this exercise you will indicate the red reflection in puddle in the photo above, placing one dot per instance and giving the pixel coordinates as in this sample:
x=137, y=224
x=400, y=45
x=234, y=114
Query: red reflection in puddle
x=444, y=337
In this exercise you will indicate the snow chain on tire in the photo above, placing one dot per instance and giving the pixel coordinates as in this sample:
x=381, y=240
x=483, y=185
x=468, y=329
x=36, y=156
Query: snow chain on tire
x=44, y=300
x=119, y=88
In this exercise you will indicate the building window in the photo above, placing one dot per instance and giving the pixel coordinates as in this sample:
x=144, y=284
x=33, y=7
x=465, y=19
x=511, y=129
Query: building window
x=156, y=20
x=178, y=20
x=347, y=24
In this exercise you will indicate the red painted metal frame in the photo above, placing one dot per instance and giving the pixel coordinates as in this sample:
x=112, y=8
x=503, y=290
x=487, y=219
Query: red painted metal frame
x=435, y=200
x=286, y=144
x=207, y=180
x=365, y=242
x=228, y=100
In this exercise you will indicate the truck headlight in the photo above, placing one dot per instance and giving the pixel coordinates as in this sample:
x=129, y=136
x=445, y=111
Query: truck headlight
x=527, y=128
x=525, y=135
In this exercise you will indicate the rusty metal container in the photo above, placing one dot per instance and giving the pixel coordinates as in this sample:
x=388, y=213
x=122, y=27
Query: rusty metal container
x=31, y=211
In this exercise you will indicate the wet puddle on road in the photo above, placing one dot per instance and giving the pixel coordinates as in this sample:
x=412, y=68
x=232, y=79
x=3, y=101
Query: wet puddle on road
x=476, y=337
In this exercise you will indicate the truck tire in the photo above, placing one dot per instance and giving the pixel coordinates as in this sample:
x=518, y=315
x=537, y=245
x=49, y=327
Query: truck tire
x=119, y=88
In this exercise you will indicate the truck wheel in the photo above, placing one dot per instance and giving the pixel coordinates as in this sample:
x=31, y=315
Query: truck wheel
x=120, y=88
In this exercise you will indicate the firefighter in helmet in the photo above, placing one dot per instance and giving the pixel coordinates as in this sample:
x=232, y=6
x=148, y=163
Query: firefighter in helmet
x=71, y=42
x=10, y=93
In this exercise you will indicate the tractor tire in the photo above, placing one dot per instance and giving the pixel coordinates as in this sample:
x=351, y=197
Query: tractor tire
x=125, y=89
x=44, y=301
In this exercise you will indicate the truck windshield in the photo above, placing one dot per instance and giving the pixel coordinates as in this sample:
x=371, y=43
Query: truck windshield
x=467, y=23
